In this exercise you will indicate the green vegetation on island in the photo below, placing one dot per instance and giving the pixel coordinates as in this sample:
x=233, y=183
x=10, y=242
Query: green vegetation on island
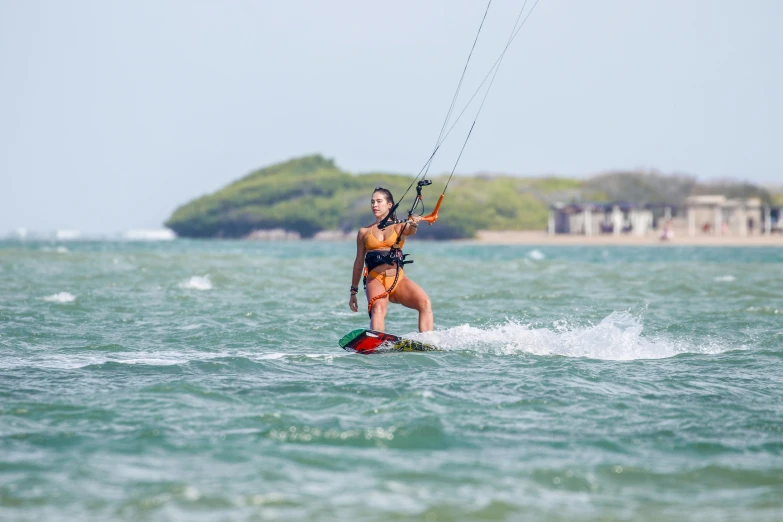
x=311, y=194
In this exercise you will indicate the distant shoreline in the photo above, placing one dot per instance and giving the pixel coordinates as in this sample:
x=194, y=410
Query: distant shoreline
x=498, y=237
x=536, y=237
x=539, y=237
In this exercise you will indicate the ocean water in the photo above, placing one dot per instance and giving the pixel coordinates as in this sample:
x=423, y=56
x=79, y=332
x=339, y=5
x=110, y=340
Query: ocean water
x=191, y=380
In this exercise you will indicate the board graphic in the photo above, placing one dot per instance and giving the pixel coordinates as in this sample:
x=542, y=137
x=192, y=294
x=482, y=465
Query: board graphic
x=370, y=341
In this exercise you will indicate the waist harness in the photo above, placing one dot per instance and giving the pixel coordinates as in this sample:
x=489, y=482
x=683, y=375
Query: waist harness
x=374, y=259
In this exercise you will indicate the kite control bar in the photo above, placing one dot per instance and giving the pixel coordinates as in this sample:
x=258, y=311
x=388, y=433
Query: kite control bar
x=430, y=218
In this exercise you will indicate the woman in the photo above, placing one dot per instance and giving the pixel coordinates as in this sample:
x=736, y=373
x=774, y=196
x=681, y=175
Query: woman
x=373, y=246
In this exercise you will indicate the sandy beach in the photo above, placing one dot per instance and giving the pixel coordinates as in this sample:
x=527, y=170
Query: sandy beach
x=536, y=237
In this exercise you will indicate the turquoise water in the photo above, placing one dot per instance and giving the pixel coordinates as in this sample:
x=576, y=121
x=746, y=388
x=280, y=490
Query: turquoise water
x=202, y=381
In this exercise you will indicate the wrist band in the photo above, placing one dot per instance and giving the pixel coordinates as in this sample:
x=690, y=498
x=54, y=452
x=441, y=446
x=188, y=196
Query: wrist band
x=354, y=289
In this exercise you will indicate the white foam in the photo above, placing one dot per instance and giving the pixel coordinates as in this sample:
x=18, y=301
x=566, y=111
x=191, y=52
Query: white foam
x=280, y=355
x=271, y=356
x=536, y=255
x=150, y=361
x=725, y=279
x=197, y=283
x=62, y=297
x=618, y=337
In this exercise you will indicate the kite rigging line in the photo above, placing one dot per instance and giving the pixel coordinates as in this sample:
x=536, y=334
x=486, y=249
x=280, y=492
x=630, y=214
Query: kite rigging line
x=395, y=254
x=433, y=216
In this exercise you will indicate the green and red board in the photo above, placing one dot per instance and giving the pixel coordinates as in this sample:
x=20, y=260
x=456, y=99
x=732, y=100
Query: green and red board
x=371, y=341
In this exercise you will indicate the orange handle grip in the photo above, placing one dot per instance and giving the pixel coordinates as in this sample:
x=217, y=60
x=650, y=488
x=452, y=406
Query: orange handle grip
x=433, y=217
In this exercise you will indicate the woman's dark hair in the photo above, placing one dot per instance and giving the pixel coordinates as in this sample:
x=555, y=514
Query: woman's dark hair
x=388, y=195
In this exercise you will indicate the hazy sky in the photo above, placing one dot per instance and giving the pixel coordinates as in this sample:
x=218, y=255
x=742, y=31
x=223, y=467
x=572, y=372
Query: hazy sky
x=113, y=113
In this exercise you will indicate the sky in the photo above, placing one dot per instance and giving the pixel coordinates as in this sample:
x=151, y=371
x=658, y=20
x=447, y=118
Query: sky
x=112, y=114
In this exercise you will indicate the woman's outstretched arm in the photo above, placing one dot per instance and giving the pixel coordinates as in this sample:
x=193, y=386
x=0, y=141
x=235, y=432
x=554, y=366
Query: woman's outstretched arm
x=358, y=264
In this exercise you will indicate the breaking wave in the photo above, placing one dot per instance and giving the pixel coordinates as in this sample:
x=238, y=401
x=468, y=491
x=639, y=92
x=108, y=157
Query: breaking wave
x=618, y=337
x=62, y=297
x=197, y=283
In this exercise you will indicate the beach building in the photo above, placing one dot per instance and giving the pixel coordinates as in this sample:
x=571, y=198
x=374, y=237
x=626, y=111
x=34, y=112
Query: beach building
x=600, y=218
x=719, y=215
x=700, y=215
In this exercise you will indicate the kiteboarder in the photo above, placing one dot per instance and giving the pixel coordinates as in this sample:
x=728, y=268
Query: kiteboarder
x=379, y=256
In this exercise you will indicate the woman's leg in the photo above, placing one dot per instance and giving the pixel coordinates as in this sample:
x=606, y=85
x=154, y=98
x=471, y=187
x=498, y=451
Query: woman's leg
x=378, y=310
x=410, y=295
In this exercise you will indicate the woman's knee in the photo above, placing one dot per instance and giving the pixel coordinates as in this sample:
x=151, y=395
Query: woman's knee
x=378, y=307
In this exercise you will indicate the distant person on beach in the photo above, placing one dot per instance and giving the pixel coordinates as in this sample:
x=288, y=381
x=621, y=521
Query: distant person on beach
x=668, y=232
x=384, y=278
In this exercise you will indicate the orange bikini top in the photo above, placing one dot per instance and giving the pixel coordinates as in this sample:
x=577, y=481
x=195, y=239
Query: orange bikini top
x=373, y=243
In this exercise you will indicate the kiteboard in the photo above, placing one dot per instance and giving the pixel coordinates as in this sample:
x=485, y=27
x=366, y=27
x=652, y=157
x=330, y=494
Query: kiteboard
x=371, y=341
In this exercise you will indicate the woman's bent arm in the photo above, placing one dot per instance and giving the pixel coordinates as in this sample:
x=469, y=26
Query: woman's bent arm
x=410, y=229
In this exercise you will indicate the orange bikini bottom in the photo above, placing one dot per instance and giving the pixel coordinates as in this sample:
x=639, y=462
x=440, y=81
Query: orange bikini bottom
x=386, y=280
